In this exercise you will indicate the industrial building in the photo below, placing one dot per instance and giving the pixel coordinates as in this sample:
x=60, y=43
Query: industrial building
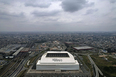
x=69, y=43
x=57, y=61
x=9, y=49
x=14, y=54
x=25, y=50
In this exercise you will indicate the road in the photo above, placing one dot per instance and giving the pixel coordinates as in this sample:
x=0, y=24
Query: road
x=97, y=70
x=83, y=66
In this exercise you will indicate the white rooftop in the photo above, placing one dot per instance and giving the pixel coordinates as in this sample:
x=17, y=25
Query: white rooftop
x=83, y=47
x=57, y=57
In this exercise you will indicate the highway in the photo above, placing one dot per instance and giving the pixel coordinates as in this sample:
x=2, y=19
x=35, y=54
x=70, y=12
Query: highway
x=83, y=66
x=97, y=70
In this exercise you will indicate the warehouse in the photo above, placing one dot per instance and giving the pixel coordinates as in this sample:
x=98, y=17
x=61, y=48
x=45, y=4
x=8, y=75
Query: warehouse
x=57, y=61
x=14, y=54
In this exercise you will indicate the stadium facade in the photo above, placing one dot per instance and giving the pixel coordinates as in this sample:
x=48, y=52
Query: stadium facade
x=57, y=61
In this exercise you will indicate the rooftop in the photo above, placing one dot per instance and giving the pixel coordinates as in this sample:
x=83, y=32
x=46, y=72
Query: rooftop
x=61, y=57
x=83, y=47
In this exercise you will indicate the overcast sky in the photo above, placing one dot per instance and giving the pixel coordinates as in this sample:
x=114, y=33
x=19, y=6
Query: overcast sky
x=58, y=15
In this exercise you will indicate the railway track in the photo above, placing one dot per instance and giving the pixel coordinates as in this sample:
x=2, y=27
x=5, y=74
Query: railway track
x=18, y=60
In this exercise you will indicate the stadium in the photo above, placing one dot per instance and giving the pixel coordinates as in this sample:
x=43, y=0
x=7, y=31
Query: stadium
x=57, y=61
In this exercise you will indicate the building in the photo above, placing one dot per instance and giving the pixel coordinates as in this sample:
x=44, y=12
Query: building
x=57, y=61
x=104, y=51
x=69, y=43
x=15, y=54
x=9, y=50
x=83, y=48
x=58, y=48
x=25, y=50
x=2, y=63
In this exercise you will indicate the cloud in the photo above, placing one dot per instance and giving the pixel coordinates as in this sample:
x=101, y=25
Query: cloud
x=49, y=15
x=51, y=19
x=90, y=4
x=41, y=14
x=56, y=0
x=41, y=5
x=112, y=1
x=91, y=11
x=7, y=1
x=114, y=18
x=7, y=16
x=73, y=5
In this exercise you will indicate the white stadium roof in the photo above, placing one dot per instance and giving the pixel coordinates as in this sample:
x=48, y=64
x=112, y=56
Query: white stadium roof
x=54, y=58
x=57, y=60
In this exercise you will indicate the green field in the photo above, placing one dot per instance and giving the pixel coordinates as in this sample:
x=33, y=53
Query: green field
x=106, y=66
